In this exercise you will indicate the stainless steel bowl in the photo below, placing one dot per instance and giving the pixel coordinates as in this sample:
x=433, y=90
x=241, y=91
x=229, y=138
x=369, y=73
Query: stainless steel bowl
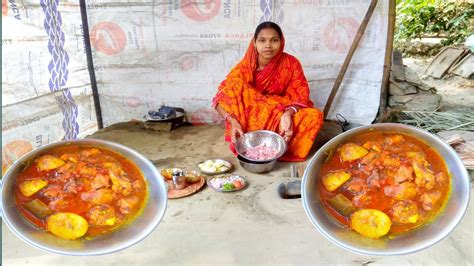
x=256, y=167
x=123, y=238
x=255, y=138
x=419, y=239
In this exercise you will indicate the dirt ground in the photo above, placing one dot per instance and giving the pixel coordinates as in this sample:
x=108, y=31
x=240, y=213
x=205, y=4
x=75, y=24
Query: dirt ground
x=456, y=91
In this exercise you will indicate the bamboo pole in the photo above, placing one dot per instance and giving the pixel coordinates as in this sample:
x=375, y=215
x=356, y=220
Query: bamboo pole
x=355, y=44
x=388, y=61
x=90, y=64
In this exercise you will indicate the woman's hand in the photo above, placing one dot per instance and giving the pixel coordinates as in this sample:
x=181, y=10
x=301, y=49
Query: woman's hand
x=286, y=125
x=235, y=129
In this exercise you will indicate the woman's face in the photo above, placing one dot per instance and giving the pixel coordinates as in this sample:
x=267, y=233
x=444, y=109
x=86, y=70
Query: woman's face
x=267, y=43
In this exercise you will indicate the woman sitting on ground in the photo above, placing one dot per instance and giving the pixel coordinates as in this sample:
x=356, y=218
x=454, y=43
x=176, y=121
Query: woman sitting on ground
x=268, y=90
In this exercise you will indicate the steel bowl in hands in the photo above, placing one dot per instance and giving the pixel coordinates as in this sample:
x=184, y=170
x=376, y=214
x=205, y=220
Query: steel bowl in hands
x=124, y=237
x=410, y=242
x=261, y=138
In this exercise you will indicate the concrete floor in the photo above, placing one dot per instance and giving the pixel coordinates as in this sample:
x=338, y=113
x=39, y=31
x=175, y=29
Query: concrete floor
x=253, y=226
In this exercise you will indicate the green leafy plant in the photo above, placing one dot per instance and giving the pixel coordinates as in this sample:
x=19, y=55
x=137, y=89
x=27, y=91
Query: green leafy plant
x=432, y=18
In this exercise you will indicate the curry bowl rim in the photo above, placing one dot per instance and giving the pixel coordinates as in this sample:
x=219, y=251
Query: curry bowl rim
x=158, y=183
x=318, y=219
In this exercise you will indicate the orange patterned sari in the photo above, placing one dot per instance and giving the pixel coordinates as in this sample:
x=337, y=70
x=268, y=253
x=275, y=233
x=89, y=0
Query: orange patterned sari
x=258, y=99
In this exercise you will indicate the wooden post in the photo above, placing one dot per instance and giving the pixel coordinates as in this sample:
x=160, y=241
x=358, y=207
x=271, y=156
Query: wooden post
x=355, y=43
x=388, y=61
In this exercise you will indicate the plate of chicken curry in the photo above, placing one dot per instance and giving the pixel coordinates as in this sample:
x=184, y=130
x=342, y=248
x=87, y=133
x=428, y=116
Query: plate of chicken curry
x=92, y=194
x=384, y=183
x=385, y=189
x=76, y=192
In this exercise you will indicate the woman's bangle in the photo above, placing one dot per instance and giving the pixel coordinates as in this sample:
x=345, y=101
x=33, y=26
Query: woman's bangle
x=292, y=108
x=227, y=116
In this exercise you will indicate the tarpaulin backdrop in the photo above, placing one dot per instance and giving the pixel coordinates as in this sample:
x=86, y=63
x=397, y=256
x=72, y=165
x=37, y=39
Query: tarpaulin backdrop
x=147, y=53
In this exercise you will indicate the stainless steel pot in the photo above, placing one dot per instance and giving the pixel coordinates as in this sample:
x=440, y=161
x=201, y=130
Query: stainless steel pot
x=256, y=167
x=123, y=238
x=419, y=239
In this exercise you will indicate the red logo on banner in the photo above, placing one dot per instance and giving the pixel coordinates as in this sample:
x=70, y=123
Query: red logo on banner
x=13, y=151
x=187, y=62
x=108, y=38
x=339, y=34
x=200, y=11
x=4, y=7
x=132, y=102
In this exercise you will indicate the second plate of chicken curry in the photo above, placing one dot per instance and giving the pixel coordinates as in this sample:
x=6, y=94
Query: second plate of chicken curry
x=383, y=184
